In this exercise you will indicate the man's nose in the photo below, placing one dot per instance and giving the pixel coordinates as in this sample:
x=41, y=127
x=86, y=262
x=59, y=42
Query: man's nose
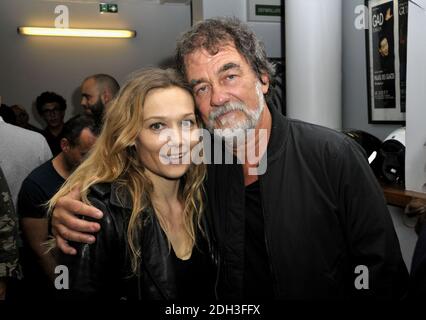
x=218, y=97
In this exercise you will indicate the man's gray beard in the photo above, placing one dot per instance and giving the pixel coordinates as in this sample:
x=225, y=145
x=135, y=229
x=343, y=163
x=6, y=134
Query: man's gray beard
x=235, y=134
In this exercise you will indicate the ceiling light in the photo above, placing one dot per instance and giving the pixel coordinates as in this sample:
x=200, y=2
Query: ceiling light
x=69, y=32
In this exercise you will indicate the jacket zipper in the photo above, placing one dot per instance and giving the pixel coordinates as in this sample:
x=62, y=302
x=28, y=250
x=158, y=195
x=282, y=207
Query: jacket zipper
x=268, y=251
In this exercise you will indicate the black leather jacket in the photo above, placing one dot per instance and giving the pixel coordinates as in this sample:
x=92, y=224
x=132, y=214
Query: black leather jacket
x=102, y=270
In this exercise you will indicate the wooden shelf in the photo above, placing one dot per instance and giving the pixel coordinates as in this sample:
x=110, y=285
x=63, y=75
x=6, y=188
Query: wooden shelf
x=399, y=197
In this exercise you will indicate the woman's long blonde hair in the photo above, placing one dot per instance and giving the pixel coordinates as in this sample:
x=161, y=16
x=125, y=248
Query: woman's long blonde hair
x=114, y=158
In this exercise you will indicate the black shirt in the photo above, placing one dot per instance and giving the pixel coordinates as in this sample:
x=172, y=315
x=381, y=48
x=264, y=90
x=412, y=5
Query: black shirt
x=195, y=276
x=40, y=185
x=257, y=272
x=53, y=141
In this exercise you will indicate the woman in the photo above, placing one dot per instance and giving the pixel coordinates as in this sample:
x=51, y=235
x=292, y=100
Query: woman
x=153, y=243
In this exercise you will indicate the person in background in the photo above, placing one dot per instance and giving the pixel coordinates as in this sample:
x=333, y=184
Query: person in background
x=22, y=118
x=9, y=265
x=39, y=186
x=7, y=114
x=97, y=91
x=51, y=107
x=20, y=152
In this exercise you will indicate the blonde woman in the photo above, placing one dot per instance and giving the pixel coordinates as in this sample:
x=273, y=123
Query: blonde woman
x=153, y=242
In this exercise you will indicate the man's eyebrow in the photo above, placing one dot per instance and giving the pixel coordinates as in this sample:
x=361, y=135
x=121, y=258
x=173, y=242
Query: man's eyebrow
x=228, y=66
x=225, y=67
x=194, y=82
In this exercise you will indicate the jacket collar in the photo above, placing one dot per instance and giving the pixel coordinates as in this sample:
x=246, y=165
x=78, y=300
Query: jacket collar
x=118, y=196
x=279, y=134
x=156, y=255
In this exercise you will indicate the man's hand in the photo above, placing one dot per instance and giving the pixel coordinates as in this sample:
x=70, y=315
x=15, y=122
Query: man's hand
x=66, y=226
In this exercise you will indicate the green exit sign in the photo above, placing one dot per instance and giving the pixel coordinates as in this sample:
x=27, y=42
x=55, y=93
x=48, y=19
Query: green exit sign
x=108, y=8
x=268, y=10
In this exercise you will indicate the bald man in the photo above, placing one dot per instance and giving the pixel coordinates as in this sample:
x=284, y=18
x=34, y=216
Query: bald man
x=96, y=92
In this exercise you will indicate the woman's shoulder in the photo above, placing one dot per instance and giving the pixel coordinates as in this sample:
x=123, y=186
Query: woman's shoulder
x=106, y=197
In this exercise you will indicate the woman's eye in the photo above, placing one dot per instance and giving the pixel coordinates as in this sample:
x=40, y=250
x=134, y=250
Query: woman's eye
x=157, y=126
x=187, y=123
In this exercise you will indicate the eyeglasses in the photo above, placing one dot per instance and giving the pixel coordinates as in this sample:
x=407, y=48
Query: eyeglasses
x=51, y=111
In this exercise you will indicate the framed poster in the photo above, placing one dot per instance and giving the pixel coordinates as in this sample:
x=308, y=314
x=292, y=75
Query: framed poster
x=386, y=39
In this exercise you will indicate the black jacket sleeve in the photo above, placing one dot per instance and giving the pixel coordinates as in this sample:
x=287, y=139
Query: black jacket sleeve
x=94, y=272
x=368, y=228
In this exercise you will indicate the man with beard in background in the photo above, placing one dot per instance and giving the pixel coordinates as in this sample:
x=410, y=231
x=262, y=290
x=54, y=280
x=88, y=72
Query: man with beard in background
x=96, y=92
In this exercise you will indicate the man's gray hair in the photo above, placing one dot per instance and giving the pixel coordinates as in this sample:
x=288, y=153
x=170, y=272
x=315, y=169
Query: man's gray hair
x=212, y=34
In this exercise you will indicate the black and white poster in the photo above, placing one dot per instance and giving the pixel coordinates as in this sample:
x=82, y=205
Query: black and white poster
x=387, y=34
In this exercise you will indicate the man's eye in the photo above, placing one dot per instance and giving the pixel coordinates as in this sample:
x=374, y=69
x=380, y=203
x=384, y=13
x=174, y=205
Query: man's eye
x=157, y=126
x=201, y=90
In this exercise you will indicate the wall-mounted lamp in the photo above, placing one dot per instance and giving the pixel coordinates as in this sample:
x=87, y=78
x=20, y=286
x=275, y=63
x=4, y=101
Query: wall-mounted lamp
x=69, y=32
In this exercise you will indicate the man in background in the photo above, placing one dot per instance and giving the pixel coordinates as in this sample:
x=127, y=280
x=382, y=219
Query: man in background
x=41, y=184
x=96, y=92
x=20, y=152
x=22, y=118
x=51, y=107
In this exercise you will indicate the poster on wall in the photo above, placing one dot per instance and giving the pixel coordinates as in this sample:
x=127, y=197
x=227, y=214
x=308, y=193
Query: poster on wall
x=386, y=62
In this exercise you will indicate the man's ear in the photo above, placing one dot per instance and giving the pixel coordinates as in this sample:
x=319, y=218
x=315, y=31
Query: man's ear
x=106, y=96
x=65, y=145
x=264, y=80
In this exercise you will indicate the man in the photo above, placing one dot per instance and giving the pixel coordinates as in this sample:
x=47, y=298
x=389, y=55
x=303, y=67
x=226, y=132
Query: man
x=9, y=266
x=20, y=152
x=37, y=189
x=51, y=107
x=304, y=228
x=96, y=92
x=22, y=118
x=384, y=47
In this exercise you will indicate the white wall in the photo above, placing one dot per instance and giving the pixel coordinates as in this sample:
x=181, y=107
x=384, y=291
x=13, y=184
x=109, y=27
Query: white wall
x=314, y=61
x=268, y=32
x=31, y=65
x=415, y=158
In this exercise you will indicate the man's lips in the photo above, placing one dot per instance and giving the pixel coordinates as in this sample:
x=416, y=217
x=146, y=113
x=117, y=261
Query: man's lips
x=222, y=118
